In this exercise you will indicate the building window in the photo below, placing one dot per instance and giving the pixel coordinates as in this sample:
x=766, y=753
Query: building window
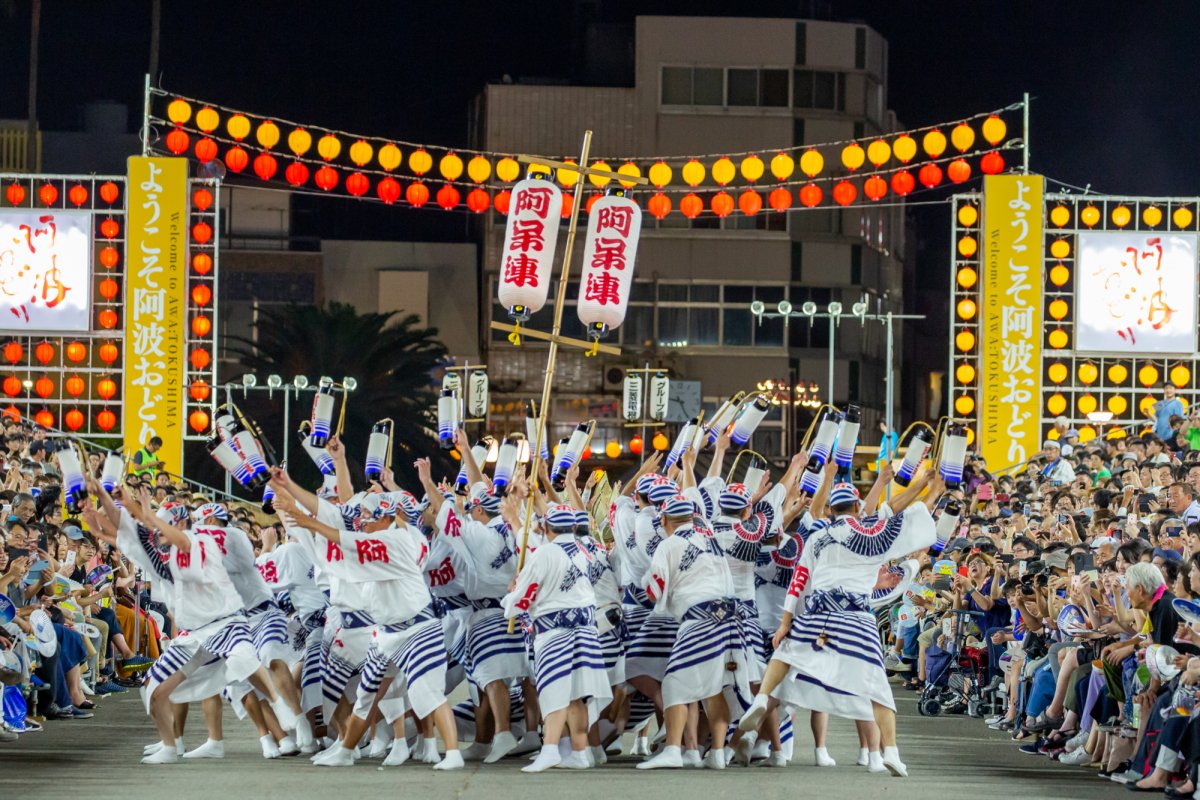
x=693, y=86
x=860, y=48
x=734, y=87
x=818, y=89
x=801, y=44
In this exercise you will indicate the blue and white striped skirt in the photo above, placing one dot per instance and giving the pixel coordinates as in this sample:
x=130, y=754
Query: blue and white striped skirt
x=709, y=658
x=269, y=630
x=650, y=647
x=417, y=657
x=569, y=665
x=492, y=653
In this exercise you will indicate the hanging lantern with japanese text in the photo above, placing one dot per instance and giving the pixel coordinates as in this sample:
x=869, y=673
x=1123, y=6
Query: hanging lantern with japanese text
x=530, y=239
x=614, y=226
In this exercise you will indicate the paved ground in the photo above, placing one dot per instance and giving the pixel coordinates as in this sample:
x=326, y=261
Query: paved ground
x=947, y=758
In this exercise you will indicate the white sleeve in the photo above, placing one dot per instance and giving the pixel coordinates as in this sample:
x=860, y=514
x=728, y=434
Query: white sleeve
x=529, y=583
x=658, y=576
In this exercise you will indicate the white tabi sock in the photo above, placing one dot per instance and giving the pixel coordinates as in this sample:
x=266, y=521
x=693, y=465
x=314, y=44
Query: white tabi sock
x=547, y=758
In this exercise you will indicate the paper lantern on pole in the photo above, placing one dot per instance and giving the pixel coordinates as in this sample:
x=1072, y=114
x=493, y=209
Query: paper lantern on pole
x=659, y=400
x=609, y=252
x=631, y=396
x=530, y=240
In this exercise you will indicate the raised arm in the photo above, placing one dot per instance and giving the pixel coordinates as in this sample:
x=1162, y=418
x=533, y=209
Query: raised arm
x=287, y=504
x=431, y=490
x=140, y=511
x=720, y=448
x=871, y=503
x=822, y=495
x=795, y=467
x=281, y=481
x=648, y=466
x=345, y=487
x=474, y=474
x=573, y=495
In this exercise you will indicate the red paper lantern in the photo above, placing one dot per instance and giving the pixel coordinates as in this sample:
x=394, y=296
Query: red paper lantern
x=73, y=419
x=12, y=386
x=201, y=326
x=78, y=195
x=501, y=201
x=326, y=178
x=236, y=159
x=447, y=197
x=691, y=205
x=388, y=190
x=198, y=419
x=722, y=204
x=930, y=175
x=106, y=388
x=781, y=199
x=199, y=391
x=206, y=150
x=109, y=192
x=44, y=352
x=991, y=164
x=44, y=387
x=13, y=413
x=586, y=454
x=13, y=352
x=958, y=170
x=875, y=187
x=202, y=263
x=750, y=202
x=591, y=201
x=109, y=229
x=811, y=195
x=417, y=194
x=659, y=205
x=177, y=141
x=74, y=385
x=48, y=194
x=202, y=199
x=844, y=193
x=200, y=358
x=15, y=194
x=635, y=445
x=201, y=294
x=265, y=166
x=109, y=352
x=106, y=420
x=478, y=200
x=296, y=173
x=107, y=318
x=76, y=351
x=109, y=257
x=202, y=232
x=568, y=203
x=357, y=184
x=903, y=182
x=109, y=288
x=44, y=418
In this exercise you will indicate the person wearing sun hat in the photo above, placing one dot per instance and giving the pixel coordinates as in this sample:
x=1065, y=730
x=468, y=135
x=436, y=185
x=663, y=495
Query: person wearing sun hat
x=1057, y=470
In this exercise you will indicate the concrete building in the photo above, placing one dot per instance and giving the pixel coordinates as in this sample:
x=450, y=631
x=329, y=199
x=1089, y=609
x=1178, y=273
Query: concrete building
x=717, y=85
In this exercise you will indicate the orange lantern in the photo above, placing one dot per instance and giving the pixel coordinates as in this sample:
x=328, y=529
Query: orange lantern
x=198, y=419
x=15, y=194
x=478, y=201
x=109, y=257
x=810, y=195
x=929, y=175
x=326, y=178
x=781, y=199
x=388, y=190
x=201, y=294
x=109, y=192
x=660, y=442
x=296, y=173
x=1057, y=308
x=43, y=386
x=991, y=164
x=750, y=202
x=448, y=197
x=203, y=199
x=13, y=352
x=659, y=205
x=206, y=150
x=78, y=194
x=109, y=352
x=109, y=288
x=1148, y=375
x=903, y=182
x=48, y=194
x=417, y=194
x=612, y=449
x=236, y=159
x=722, y=204
x=265, y=166
x=501, y=200
x=200, y=358
x=201, y=326
x=635, y=445
x=44, y=352
x=74, y=385
x=44, y=418
x=74, y=419
x=76, y=351
x=844, y=193
x=202, y=263
x=199, y=391
x=12, y=386
x=109, y=229
x=357, y=184
x=106, y=388
x=106, y=420
x=958, y=170
x=177, y=141
x=202, y=232
x=875, y=187
x=691, y=205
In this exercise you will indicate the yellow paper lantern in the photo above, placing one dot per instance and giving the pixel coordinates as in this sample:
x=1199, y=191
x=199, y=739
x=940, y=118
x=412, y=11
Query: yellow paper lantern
x=966, y=308
x=179, y=111
x=299, y=141
x=1060, y=248
x=1087, y=403
x=420, y=162
x=967, y=246
x=967, y=277
x=451, y=166
x=994, y=130
x=1058, y=339
x=723, y=171
x=631, y=169
x=1057, y=372
x=1060, y=215
x=599, y=180
x=479, y=169
x=328, y=147
x=267, y=134
x=1152, y=216
x=964, y=404
x=1117, y=404
x=1148, y=375
x=390, y=157
x=507, y=169
x=1117, y=373
x=1059, y=275
x=1146, y=404
x=853, y=156
x=1121, y=216
x=962, y=137
x=1090, y=215
x=693, y=173
x=934, y=143
x=811, y=163
x=904, y=148
x=1056, y=404
x=1052, y=434
x=567, y=177
x=1086, y=434
x=1182, y=217
x=660, y=174
x=361, y=152
x=538, y=171
x=1088, y=373
x=207, y=119
x=964, y=340
x=782, y=166
x=612, y=449
x=238, y=127
x=968, y=215
x=660, y=441
x=970, y=436
x=1180, y=375
x=965, y=373
x=752, y=168
x=1058, y=308
x=878, y=152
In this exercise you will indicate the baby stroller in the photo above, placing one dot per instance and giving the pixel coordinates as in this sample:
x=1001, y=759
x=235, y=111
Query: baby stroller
x=954, y=677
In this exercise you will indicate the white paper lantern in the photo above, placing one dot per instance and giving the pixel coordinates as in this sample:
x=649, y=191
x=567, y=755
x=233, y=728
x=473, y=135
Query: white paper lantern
x=631, y=400
x=477, y=394
x=530, y=238
x=660, y=396
x=614, y=226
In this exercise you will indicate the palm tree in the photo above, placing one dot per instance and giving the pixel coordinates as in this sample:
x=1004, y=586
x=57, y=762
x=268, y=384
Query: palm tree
x=391, y=356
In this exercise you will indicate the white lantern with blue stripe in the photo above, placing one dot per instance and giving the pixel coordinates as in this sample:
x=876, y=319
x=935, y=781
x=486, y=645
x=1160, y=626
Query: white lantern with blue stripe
x=110, y=475
x=379, y=447
x=73, y=489
x=954, y=454
x=447, y=411
x=748, y=421
x=506, y=463
x=322, y=413
x=847, y=440
x=918, y=447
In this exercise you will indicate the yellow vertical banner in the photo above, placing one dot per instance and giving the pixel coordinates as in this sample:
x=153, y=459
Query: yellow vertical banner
x=155, y=311
x=1011, y=319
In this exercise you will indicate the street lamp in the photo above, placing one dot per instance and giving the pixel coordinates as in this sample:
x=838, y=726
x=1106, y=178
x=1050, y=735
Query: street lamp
x=249, y=380
x=349, y=384
x=300, y=382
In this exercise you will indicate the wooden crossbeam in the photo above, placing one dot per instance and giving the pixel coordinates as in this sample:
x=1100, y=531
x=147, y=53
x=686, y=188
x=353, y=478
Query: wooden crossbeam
x=549, y=337
x=604, y=173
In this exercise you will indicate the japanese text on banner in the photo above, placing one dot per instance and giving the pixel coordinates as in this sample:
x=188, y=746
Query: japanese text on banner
x=1011, y=321
x=155, y=286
